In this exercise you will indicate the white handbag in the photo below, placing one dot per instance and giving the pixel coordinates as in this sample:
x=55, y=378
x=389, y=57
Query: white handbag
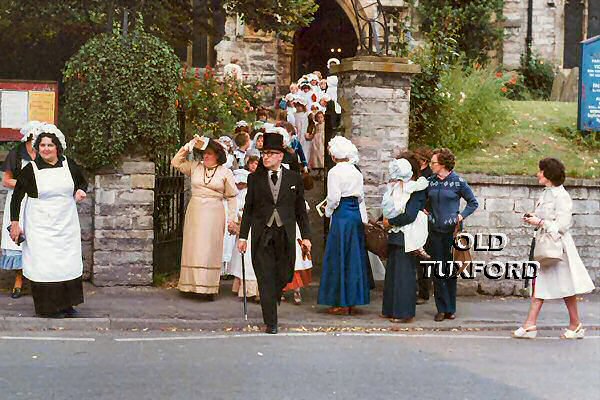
x=548, y=248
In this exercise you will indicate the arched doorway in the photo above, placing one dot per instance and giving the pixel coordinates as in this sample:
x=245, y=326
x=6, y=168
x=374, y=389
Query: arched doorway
x=331, y=34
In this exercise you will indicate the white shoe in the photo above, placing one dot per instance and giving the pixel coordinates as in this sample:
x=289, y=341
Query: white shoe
x=525, y=333
x=578, y=333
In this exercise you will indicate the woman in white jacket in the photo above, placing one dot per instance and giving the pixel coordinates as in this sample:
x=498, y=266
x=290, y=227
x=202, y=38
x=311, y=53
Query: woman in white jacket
x=567, y=277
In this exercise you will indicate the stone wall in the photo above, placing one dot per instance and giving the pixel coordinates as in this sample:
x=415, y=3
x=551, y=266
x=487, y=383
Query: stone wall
x=547, y=29
x=502, y=203
x=123, y=222
x=261, y=56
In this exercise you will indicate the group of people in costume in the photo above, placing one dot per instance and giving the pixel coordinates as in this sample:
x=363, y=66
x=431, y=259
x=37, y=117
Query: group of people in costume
x=248, y=208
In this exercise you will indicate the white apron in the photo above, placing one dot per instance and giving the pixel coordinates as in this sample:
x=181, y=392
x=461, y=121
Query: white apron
x=52, y=247
x=6, y=242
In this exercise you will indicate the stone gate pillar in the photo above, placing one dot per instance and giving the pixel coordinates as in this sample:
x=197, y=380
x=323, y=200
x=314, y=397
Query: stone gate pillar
x=374, y=93
x=123, y=224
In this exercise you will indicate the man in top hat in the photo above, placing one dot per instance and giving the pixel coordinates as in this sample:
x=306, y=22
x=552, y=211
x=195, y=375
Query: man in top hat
x=274, y=204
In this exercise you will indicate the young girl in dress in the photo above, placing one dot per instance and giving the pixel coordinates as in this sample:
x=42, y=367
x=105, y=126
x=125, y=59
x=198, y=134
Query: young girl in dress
x=317, y=140
x=241, y=181
x=295, y=145
x=301, y=118
x=399, y=189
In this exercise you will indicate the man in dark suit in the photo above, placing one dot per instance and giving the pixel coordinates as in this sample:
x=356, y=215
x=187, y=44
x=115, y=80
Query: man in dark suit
x=274, y=204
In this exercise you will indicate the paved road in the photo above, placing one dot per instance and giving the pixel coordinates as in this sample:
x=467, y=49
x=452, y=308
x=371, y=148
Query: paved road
x=140, y=365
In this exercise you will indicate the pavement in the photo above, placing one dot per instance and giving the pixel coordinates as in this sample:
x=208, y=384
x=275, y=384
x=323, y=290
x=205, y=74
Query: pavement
x=166, y=309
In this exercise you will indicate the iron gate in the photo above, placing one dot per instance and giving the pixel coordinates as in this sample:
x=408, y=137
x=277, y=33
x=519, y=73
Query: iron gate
x=169, y=211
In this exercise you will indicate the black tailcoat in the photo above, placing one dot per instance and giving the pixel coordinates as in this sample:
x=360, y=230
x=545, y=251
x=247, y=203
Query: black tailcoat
x=260, y=204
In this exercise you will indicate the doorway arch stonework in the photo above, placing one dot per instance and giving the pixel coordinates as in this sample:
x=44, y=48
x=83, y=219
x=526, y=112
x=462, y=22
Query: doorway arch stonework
x=266, y=58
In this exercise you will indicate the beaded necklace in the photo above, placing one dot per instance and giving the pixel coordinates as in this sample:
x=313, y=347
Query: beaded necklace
x=207, y=176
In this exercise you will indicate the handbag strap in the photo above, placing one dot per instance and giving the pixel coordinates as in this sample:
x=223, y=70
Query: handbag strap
x=457, y=229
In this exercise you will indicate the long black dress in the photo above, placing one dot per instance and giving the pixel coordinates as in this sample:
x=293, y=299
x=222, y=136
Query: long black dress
x=49, y=297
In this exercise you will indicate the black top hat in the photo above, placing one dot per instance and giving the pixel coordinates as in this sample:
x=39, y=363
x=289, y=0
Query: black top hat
x=273, y=141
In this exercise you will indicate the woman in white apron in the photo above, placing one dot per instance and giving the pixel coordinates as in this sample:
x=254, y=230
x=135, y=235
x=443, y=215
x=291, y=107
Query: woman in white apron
x=16, y=160
x=52, y=258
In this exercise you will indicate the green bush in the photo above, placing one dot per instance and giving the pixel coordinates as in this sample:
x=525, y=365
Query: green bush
x=213, y=105
x=538, y=76
x=120, y=96
x=465, y=109
x=435, y=59
x=477, y=24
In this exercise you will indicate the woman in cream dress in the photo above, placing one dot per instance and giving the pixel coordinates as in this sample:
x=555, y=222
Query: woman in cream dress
x=205, y=221
x=566, y=278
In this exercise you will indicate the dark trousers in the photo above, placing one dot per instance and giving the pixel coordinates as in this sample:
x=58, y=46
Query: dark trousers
x=444, y=288
x=271, y=262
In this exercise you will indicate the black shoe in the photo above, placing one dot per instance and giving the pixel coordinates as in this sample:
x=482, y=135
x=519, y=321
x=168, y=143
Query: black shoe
x=71, y=313
x=271, y=329
x=16, y=293
x=439, y=317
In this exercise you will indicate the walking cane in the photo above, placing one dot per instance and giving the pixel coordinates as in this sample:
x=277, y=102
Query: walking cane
x=244, y=287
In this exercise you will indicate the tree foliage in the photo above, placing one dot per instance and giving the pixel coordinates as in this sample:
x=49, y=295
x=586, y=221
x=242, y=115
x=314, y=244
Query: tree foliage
x=37, y=37
x=121, y=94
x=476, y=23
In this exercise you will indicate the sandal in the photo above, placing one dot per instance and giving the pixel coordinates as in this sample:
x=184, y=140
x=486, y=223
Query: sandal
x=578, y=333
x=16, y=293
x=297, y=298
x=525, y=333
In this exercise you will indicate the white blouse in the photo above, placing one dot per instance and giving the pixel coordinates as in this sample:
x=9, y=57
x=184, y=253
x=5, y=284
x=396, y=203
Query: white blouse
x=344, y=180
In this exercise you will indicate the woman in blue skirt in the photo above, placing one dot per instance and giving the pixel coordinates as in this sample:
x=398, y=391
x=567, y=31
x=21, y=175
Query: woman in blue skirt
x=344, y=281
x=16, y=160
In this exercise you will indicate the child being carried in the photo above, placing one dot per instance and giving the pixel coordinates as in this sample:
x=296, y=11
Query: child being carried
x=398, y=192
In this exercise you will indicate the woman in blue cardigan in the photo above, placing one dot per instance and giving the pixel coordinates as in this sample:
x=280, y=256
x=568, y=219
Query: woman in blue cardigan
x=445, y=190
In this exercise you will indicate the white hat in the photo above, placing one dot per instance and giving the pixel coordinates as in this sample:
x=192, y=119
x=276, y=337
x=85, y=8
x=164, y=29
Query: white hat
x=332, y=61
x=301, y=100
x=400, y=169
x=289, y=97
x=241, y=175
x=325, y=97
x=49, y=128
x=312, y=77
x=253, y=152
x=30, y=129
x=270, y=128
x=226, y=141
x=286, y=136
x=340, y=148
x=241, y=123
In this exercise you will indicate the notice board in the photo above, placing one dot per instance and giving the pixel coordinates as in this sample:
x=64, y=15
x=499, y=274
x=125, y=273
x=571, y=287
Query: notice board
x=588, y=115
x=24, y=101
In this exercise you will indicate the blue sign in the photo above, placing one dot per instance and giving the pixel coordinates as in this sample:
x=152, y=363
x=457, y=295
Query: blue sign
x=588, y=117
